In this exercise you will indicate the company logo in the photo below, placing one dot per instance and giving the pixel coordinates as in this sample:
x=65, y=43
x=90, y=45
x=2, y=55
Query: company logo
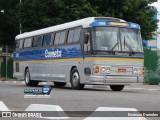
x=17, y=54
x=53, y=54
x=118, y=53
x=46, y=89
x=38, y=93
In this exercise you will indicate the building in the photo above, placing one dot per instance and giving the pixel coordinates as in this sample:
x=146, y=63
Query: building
x=154, y=43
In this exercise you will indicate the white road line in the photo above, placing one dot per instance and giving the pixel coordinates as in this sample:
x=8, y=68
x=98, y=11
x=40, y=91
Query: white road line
x=3, y=107
x=23, y=82
x=45, y=107
x=14, y=82
x=114, y=111
x=44, y=83
x=6, y=81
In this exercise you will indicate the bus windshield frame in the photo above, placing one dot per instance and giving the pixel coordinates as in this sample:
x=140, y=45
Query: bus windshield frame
x=116, y=39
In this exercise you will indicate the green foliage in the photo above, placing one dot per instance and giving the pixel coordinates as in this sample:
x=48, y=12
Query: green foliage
x=8, y=22
x=152, y=65
x=136, y=11
x=37, y=14
x=151, y=59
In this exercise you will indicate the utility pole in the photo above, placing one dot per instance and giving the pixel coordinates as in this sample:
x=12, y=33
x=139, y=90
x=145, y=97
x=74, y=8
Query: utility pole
x=6, y=61
x=20, y=25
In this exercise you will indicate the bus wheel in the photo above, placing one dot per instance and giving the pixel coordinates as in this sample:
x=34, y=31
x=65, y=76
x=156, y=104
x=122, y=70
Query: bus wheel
x=117, y=87
x=75, y=80
x=59, y=84
x=29, y=82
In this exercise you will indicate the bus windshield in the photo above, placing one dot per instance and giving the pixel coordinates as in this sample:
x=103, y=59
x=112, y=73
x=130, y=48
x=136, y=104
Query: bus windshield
x=116, y=39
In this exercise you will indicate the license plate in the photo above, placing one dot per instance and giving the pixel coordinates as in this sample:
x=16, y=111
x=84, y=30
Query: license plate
x=121, y=69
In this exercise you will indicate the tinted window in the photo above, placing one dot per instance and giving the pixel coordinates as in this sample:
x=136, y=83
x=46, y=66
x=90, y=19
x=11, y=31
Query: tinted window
x=28, y=42
x=62, y=37
x=56, y=40
x=70, y=36
x=19, y=44
x=47, y=39
x=76, y=35
x=37, y=41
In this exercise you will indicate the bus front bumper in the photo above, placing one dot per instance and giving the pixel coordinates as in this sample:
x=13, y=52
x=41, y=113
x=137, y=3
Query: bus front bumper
x=92, y=79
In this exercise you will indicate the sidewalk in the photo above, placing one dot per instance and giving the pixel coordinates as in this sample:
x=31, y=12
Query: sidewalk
x=8, y=79
x=143, y=86
x=134, y=87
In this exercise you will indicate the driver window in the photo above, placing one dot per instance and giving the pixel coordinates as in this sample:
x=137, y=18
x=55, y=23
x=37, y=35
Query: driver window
x=87, y=46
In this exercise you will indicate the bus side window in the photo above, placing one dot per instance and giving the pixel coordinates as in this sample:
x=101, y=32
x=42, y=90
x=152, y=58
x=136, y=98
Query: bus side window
x=77, y=35
x=37, y=42
x=62, y=37
x=19, y=45
x=70, y=36
x=87, y=45
x=47, y=39
x=28, y=42
x=56, y=39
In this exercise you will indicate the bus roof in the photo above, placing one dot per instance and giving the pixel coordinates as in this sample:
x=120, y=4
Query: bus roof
x=82, y=22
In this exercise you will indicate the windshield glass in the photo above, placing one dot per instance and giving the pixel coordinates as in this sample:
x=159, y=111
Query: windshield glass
x=130, y=37
x=105, y=38
x=116, y=39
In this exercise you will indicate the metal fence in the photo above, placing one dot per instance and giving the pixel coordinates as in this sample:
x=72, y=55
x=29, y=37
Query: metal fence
x=152, y=66
x=9, y=69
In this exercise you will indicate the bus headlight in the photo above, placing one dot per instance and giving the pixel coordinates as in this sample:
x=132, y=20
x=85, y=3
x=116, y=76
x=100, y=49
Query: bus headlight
x=106, y=69
x=137, y=70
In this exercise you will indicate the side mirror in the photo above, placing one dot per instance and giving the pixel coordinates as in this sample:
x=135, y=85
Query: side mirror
x=86, y=37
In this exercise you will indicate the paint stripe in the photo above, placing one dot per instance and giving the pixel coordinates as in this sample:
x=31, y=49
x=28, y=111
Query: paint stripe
x=90, y=58
x=3, y=107
x=118, y=59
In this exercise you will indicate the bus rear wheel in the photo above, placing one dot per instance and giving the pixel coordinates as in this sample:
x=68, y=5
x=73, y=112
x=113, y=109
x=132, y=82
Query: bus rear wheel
x=117, y=87
x=29, y=82
x=75, y=80
x=59, y=84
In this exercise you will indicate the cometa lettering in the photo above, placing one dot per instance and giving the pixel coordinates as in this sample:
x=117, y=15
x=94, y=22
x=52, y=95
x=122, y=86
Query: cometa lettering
x=53, y=54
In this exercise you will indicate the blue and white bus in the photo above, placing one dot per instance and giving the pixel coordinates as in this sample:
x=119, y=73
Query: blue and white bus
x=94, y=50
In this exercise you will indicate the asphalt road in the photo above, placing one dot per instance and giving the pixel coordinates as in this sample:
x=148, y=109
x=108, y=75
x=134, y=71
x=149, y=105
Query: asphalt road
x=89, y=99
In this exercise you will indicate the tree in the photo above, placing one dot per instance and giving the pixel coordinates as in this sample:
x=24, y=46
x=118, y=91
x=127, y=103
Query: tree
x=136, y=11
x=8, y=22
x=37, y=14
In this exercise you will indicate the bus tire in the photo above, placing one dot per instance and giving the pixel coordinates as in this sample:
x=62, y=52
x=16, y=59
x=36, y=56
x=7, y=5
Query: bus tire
x=75, y=80
x=29, y=82
x=117, y=87
x=59, y=84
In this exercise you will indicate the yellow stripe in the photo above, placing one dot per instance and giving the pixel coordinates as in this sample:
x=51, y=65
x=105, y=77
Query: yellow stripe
x=118, y=59
x=90, y=58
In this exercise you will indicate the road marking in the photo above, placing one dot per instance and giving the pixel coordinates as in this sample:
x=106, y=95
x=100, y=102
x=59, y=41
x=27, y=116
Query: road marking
x=113, y=113
x=3, y=107
x=14, y=82
x=6, y=81
x=52, y=108
x=23, y=82
x=44, y=83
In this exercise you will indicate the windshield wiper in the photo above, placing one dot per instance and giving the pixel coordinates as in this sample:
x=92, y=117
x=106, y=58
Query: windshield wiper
x=126, y=44
x=114, y=46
